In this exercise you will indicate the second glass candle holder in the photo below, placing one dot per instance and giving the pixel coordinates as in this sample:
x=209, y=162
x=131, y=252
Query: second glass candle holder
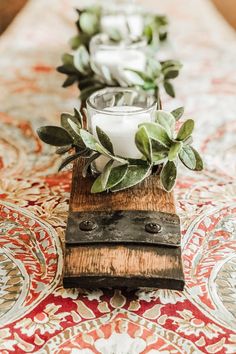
x=116, y=56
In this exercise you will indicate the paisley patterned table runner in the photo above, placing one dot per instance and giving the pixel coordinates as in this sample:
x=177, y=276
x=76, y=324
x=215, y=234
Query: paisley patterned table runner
x=36, y=314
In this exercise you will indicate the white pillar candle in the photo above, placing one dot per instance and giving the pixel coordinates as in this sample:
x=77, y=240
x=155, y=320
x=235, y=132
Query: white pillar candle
x=121, y=129
x=132, y=24
x=107, y=55
x=118, y=60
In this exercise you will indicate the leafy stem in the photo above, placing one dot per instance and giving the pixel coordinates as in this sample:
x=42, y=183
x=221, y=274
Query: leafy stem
x=162, y=147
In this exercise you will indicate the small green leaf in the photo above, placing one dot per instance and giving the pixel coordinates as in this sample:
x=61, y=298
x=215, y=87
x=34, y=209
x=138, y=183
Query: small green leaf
x=168, y=175
x=116, y=175
x=53, y=135
x=88, y=140
x=170, y=63
x=143, y=143
x=148, y=33
x=97, y=186
x=104, y=140
x=69, y=159
x=156, y=132
x=76, y=119
x=134, y=175
x=70, y=80
x=171, y=74
x=177, y=113
x=174, y=150
x=199, y=163
x=105, y=173
x=153, y=68
x=166, y=120
x=88, y=23
x=67, y=59
x=169, y=88
x=185, y=130
x=82, y=59
x=133, y=77
x=88, y=163
x=63, y=149
x=159, y=157
x=107, y=153
x=187, y=156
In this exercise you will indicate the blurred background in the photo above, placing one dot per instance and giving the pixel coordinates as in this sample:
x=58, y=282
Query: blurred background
x=10, y=8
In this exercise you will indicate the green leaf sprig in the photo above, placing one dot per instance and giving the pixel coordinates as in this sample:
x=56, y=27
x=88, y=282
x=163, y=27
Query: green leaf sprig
x=80, y=69
x=89, y=24
x=158, y=142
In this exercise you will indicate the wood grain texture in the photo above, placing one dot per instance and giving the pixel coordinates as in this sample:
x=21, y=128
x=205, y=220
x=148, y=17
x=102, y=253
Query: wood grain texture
x=129, y=265
x=145, y=196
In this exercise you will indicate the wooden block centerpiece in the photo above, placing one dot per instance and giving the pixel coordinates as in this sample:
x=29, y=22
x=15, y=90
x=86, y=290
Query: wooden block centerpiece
x=128, y=239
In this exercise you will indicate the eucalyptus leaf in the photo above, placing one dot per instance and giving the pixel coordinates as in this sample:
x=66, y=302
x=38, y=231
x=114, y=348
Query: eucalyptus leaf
x=171, y=74
x=88, y=139
x=53, y=135
x=170, y=63
x=168, y=175
x=156, y=132
x=166, y=120
x=143, y=143
x=69, y=159
x=174, y=150
x=107, y=153
x=82, y=59
x=133, y=77
x=63, y=149
x=71, y=79
x=169, y=88
x=105, y=173
x=89, y=23
x=177, y=113
x=76, y=119
x=186, y=130
x=187, y=157
x=199, y=163
x=104, y=140
x=159, y=157
x=116, y=175
x=134, y=175
x=92, y=158
x=68, y=59
x=153, y=67
x=97, y=186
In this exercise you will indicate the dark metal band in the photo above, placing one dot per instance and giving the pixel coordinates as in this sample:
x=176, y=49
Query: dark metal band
x=122, y=227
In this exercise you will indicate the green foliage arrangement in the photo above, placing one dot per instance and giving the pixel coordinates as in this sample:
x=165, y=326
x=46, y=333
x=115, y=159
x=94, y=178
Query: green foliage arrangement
x=80, y=69
x=89, y=24
x=159, y=143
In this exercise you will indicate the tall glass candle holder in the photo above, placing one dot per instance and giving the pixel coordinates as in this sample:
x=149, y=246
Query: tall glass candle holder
x=124, y=17
x=118, y=56
x=118, y=112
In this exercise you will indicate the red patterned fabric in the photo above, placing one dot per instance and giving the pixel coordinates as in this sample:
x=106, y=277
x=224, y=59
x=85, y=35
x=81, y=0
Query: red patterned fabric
x=36, y=314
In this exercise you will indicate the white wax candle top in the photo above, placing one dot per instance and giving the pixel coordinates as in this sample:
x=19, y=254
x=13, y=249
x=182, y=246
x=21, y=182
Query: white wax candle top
x=119, y=22
x=121, y=130
x=117, y=61
x=130, y=59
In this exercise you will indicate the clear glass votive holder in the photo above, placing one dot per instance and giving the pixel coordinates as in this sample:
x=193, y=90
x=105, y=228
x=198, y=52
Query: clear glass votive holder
x=116, y=56
x=119, y=112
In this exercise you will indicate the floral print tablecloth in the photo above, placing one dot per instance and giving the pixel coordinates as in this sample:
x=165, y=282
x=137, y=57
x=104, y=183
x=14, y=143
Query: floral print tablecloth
x=36, y=314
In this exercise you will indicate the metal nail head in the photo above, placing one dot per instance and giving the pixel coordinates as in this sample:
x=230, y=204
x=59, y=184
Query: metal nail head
x=153, y=228
x=87, y=225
